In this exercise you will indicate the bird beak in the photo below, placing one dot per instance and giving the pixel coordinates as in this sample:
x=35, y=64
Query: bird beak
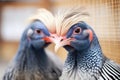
x=59, y=41
x=47, y=39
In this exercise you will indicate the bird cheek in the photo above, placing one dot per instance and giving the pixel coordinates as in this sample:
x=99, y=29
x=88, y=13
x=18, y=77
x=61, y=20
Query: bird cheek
x=80, y=45
x=37, y=44
x=75, y=45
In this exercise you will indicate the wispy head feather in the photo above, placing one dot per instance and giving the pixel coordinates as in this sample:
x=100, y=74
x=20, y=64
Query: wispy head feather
x=62, y=20
x=45, y=17
x=68, y=17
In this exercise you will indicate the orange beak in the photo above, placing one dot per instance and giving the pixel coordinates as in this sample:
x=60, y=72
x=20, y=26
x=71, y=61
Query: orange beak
x=47, y=39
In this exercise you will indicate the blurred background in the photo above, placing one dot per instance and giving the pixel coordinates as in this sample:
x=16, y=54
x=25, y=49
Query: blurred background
x=104, y=18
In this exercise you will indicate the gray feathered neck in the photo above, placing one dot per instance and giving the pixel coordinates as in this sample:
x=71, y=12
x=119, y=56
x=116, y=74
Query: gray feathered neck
x=28, y=58
x=89, y=60
x=31, y=60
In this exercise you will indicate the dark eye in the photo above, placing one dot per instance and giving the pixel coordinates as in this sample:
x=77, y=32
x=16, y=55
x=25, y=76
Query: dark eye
x=38, y=31
x=77, y=30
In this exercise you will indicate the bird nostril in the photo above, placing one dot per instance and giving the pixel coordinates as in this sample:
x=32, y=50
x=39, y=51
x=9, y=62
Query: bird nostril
x=61, y=40
x=52, y=36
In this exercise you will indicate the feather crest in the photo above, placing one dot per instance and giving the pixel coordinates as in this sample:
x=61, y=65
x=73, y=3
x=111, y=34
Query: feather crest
x=46, y=17
x=68, y=17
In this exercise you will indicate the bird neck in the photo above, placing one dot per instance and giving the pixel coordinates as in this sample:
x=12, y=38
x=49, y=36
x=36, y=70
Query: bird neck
x=89, y=60
x=29, y=59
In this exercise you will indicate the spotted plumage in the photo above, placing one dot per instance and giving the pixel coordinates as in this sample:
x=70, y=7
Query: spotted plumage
x=85, y=59
x=89, y=63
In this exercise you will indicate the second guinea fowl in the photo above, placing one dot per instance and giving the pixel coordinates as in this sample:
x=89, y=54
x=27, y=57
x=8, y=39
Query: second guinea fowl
x=85, y=59
x=32, y=62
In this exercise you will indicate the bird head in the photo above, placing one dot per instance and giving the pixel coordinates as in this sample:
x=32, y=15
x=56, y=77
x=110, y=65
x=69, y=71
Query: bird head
x=78, y=37
x=71, y=32
x=36, y=35
x=39, y=29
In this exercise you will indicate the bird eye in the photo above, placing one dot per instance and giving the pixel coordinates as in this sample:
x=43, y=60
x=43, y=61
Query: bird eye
x=38, y=31
x=77, y=30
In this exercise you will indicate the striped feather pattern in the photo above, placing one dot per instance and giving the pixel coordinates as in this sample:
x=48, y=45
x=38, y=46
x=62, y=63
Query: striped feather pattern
x=110, y=71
